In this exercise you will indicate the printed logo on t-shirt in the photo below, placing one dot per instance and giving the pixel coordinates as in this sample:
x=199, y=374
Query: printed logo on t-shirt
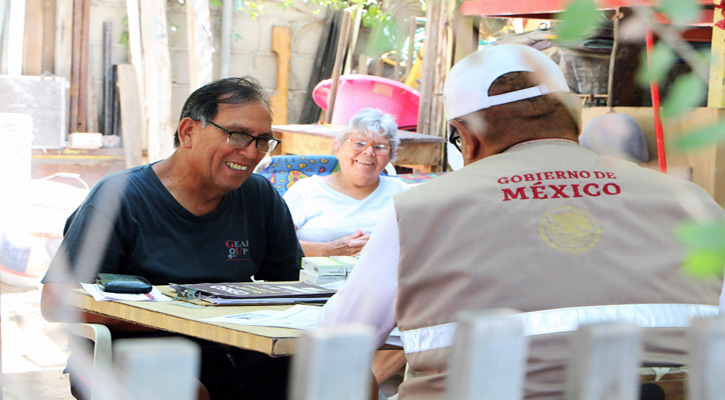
x=569, y=229
x=238, y=250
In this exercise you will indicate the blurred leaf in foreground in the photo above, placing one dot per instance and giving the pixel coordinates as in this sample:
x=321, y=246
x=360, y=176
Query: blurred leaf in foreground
x=701, y=137
x=662, y=59
x=681, y=11
x=705, y=246
x=687, y=92
x=578, y=20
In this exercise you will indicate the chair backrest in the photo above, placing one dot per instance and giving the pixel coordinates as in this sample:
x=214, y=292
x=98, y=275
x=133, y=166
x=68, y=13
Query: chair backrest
x=285, y=170
x=333, y=363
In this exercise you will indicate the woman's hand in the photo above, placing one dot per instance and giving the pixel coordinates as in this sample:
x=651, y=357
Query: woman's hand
x=349, y=245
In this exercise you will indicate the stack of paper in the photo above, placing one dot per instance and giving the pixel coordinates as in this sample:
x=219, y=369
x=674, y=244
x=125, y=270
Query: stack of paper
x=322, y=270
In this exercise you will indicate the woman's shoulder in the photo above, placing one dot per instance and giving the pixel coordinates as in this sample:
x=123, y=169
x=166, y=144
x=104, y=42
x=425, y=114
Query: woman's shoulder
x=393, y=184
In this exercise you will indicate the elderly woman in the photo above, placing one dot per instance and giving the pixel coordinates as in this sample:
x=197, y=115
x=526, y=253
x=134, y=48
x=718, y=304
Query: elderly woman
x=335, y=214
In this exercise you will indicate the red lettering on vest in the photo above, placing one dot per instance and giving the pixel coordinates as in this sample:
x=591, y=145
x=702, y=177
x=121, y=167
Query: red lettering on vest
x=510, y=195
x=610, y=175
x=516, y=179
x=538, y=192
x=582, y=174
x=586, y=190
x=573, y=174
x=599, y=174
x=611, y=189
x=560, y=174
x=559, y=192
x=503, y=180
x=575, y=188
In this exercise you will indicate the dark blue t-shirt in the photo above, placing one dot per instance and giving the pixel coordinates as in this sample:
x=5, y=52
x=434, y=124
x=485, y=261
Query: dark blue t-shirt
x=131, y=224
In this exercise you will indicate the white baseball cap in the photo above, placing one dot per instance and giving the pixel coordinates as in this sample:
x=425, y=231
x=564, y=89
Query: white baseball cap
x=468, y=82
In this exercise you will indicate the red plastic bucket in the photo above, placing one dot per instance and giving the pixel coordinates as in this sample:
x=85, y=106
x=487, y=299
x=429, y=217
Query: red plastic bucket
x=355, y=92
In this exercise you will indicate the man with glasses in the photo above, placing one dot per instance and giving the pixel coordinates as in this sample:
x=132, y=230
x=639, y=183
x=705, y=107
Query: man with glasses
x=533, y=222
x=198, y=216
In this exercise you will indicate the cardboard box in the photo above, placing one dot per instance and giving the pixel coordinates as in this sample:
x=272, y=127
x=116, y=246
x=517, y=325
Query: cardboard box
x=323, y=266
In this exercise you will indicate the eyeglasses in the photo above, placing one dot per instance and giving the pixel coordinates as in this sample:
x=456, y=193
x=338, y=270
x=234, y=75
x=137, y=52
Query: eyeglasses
x=241, y=140
x=361, y=145
x=454, y=137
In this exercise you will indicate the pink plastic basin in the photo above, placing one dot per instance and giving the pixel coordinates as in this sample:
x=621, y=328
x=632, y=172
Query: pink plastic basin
x=355, y=92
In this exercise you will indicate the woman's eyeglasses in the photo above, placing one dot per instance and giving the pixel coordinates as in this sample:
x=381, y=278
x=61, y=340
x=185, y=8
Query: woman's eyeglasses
x=361, y=145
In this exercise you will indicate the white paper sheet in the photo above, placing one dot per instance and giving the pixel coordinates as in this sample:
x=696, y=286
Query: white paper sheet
x=154, y=295
x=297, y=317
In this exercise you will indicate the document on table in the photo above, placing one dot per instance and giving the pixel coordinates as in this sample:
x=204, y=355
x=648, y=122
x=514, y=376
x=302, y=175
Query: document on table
x=154, y=295
x=297, y=317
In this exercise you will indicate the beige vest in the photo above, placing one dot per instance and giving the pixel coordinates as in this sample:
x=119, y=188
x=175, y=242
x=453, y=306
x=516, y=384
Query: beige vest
x=545, y=225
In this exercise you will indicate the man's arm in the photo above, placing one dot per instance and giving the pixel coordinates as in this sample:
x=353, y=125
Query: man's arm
x=368, y=297
x=55, y=308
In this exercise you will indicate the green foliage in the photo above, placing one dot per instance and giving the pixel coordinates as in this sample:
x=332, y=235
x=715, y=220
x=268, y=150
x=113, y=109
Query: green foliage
x=578, y=21
x=680, y=11
x=702, y=137
x=687, y=92
x=662, y=59
x=705, y=247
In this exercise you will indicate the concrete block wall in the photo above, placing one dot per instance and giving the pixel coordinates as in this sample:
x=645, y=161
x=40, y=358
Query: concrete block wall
x=251, y=41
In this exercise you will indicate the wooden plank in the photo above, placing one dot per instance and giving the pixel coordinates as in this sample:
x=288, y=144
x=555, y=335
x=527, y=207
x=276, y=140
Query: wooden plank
x=624, y=63
x=282, y=47
x=130, y=115
x=82, y=124
x=437, y=61
x=33, y=44
x=412, y=26
x=136, y=54
x=333, y=363
x=75, y=75
x=337, y=67
x=604, y=362
x=157, y=76
x=48, y=62
x=352, y=43
x=226, y=37
x=716, y=93
x=199, y=43
x=64, y=38
x=485, y=339
x=107, y=79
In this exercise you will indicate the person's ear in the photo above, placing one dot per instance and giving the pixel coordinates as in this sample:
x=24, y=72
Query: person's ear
x=186, y=130
x=470, y=143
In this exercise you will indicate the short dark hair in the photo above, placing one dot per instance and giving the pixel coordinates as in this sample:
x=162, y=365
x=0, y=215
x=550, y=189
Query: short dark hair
x=531, y=118
x=203, y=104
